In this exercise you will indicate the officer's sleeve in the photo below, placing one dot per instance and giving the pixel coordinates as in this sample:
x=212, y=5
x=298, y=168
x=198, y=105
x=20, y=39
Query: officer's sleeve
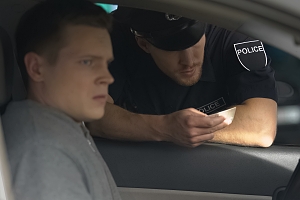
x=248, y=69
x=118, y=68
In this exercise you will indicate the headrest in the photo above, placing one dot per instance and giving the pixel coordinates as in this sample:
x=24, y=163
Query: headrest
x=165, y=31
x=6, y=68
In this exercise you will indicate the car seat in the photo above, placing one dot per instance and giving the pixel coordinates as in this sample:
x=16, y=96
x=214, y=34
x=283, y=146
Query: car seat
x=6, y=79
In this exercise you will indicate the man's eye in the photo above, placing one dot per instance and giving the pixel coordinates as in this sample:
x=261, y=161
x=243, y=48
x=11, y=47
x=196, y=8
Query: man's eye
x=86, y=62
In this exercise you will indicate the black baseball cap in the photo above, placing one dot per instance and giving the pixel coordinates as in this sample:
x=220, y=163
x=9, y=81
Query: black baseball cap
x=165, y=31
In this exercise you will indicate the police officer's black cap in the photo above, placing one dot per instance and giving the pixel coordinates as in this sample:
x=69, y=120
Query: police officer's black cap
x=164, y=31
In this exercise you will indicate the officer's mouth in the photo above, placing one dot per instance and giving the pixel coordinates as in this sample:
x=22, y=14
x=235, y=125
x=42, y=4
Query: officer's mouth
x=188, y=71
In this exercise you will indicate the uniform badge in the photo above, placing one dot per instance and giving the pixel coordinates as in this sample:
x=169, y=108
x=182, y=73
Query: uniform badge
x=251, y=54
x=212, y=106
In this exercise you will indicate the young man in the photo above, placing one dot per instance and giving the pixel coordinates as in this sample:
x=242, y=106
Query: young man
x=171, y=72
x=63, y=49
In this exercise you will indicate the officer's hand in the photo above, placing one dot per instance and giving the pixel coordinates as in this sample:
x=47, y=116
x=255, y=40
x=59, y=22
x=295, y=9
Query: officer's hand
x=190, y=127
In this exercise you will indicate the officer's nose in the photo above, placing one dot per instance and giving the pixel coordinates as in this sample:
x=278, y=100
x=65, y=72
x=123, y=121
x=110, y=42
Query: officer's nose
x=186, y=57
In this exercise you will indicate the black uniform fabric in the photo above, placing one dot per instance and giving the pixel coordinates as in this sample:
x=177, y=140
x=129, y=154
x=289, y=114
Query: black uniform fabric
x=141, y=87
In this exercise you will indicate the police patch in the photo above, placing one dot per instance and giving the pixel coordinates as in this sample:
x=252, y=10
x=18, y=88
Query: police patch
x=210, y=107
x=251, y=54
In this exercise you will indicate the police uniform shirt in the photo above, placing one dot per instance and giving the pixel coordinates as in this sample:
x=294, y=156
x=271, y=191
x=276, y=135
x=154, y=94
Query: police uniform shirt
x=235, y=68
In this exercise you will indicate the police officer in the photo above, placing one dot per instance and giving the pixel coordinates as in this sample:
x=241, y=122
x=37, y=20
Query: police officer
x=172, y=73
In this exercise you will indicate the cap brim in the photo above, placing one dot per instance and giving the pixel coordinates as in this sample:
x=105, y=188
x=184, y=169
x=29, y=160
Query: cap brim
x=180, y=40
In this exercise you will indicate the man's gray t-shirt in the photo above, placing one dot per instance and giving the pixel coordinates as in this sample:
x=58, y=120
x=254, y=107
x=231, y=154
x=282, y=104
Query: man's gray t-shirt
x=53, y=157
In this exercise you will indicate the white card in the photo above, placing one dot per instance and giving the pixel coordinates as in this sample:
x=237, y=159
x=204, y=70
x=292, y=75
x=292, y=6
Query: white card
x=228, y=114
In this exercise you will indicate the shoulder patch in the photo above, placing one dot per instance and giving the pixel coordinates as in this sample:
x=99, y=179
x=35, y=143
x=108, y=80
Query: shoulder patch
x=251, y=54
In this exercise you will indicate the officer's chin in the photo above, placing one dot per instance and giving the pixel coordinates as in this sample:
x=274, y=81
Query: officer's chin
x=188, y=81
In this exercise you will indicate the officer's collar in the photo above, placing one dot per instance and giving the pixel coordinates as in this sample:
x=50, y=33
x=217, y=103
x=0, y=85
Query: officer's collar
x=207, y=69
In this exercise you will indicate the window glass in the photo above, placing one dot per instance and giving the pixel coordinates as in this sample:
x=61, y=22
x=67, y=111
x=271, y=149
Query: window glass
x=287, y=74
x=107, y=7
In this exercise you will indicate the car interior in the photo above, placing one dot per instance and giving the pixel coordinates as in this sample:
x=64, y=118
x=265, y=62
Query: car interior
x=162, y=170
x=6, y=73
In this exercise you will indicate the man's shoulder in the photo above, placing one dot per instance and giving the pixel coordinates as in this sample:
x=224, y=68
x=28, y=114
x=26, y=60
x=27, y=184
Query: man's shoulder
x=30, y=113
x=27, y=123
x=17, y=120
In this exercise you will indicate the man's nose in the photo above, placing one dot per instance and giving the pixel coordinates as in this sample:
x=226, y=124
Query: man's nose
x=105, y=77
x=186, y=57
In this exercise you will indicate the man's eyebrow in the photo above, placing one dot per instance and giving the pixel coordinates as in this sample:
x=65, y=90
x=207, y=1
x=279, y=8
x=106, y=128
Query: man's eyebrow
x=97, y=57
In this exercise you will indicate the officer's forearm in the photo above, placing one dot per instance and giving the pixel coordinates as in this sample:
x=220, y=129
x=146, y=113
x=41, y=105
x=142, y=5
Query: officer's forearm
x=254, y=124
x=118, y=123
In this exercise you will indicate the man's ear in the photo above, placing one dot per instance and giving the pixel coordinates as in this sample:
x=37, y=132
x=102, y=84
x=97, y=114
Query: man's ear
x=143, y=43
x=34, y=64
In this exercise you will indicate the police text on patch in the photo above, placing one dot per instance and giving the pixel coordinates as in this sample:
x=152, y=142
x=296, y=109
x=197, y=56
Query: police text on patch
x=248, y=50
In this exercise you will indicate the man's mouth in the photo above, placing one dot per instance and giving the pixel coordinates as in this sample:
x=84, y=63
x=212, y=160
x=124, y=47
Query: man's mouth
x=101, y=98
